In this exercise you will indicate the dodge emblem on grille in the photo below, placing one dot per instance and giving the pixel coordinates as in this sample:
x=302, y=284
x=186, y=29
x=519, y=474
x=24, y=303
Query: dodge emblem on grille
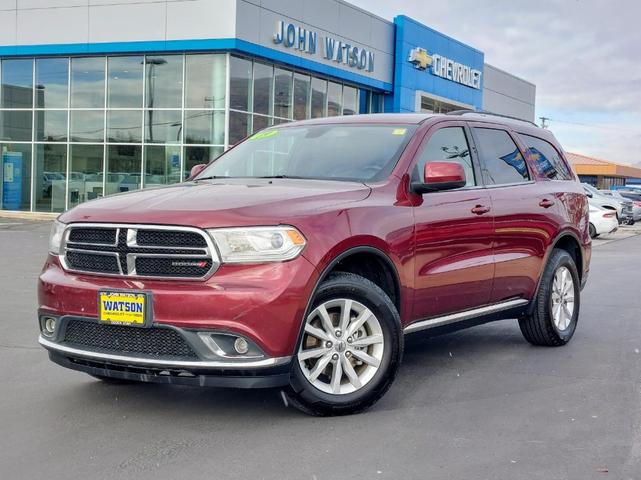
x=183, y=263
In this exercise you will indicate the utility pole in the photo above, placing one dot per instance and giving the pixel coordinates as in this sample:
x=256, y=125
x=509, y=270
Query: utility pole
x=543, y=120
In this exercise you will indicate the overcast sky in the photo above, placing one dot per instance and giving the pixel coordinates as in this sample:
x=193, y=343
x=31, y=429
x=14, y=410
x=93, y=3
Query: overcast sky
x=583, y=55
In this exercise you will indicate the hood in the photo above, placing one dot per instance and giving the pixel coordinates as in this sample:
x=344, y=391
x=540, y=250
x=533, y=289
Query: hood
x=224, y=202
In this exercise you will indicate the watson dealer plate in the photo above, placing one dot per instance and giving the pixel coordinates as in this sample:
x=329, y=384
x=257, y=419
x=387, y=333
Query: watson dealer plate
x=123, y=308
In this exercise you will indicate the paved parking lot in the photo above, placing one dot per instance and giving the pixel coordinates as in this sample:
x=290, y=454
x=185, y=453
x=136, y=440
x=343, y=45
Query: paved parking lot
x=478, y=404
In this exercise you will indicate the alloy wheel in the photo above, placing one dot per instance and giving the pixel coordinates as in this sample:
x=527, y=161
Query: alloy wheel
x=562, y=298
x=342, y=346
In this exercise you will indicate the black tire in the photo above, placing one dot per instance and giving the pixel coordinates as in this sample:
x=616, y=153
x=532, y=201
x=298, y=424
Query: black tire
x=112, y=380
x=538, y=328
x=592, y=231
x=631, y=222
x=311, y=400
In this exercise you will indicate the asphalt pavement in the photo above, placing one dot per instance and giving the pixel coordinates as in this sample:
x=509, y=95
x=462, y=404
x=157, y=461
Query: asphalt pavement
x=477, y=404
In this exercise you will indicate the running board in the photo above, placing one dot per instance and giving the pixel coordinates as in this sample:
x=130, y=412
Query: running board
x=462, y=316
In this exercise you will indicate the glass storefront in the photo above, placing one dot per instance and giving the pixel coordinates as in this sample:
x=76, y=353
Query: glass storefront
x=75, y=129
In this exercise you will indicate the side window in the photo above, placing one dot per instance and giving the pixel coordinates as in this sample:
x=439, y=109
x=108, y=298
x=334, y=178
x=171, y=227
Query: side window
x=545, y=159
x=501, y=160
x=448, y=144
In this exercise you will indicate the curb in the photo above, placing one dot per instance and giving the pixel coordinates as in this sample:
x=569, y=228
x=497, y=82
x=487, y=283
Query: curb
x=28, y=215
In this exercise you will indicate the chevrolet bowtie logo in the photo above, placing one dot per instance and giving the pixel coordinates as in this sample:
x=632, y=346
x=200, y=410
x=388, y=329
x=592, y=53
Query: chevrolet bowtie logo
x=420, y=58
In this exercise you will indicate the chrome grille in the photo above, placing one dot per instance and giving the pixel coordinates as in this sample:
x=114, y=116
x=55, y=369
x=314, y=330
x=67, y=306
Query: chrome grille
x=151, y=251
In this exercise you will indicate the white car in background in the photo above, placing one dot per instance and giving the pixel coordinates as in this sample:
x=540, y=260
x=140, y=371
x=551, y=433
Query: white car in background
x=602, y=221
x=597, y=199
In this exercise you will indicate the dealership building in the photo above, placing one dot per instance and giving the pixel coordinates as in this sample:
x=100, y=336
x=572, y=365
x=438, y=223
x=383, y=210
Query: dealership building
x=105, y=96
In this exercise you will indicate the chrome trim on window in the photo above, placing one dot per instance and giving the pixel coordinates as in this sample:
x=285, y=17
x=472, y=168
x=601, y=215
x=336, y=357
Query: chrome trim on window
x=210, y=251
x=152, y=362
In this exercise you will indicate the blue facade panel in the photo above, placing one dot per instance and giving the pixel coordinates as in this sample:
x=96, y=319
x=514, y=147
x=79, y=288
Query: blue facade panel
x=408, y=79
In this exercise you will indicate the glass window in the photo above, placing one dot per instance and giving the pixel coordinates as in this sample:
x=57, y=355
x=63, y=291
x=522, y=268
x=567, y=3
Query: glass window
x=163, y=126
x=301, y=96
x=51, y=125
x=88, y=82
x=350, y=100
x=338, y=152
x=238, y=127
x=263, y=88
x=162, y=165
x=501, y=160
x=124, y=126
x=50, y=181
x=205, y=127
x=334, y=94
x=123, y=168
x=240, y=71
x=164, y=77
x=17, y=83
x=87, y=126
x=375, y=102
x=16, y=177
x=124, y=87
x=283, y=93
x=199, y=155
x=259, y=122
x=546, y=159
x=205, y=81
x=447, y=145
x=52, y=82
x=16, y=125
x=85, y=173
x=319, y=98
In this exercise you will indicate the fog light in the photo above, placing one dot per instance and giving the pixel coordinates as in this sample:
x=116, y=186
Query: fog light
x=241, y=346
x=49, y=326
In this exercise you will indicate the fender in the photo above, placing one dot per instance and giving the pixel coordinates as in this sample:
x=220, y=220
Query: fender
x=326, y=271
x=560, y=235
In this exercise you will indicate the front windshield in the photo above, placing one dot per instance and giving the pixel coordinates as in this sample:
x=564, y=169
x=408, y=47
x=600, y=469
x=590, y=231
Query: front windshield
x=351, y=152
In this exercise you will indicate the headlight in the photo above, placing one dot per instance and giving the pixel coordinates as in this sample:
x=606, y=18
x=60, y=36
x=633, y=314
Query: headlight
x=55, y=237
x=258, y=244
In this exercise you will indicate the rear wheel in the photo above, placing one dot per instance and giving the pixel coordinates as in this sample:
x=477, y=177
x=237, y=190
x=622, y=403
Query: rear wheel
x=556, y=306
x=350, y=348
x=592, y=230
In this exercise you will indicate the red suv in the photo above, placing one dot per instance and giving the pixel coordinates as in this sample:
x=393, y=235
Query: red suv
x=302, y=256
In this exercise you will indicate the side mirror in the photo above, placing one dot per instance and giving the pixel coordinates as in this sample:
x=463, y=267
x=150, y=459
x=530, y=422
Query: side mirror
x=196, y=169
x=440, y=176
x=589, y=194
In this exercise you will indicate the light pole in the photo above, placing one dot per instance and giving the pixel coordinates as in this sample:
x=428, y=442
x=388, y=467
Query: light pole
x=151, y=82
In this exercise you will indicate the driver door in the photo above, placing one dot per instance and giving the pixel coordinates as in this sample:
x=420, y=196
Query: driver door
x=454, y=264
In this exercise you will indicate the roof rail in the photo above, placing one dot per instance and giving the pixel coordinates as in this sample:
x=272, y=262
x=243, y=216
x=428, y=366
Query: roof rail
x=483, y=112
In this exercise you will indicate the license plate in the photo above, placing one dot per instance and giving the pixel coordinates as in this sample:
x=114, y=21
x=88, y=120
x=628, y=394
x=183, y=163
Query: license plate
x=123, y=308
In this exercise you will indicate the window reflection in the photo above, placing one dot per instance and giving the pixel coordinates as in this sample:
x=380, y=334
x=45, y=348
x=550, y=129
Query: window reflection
x=205, y=127
x=205, y=81
x=16, y=125
x=163, y=126
x=283, y=93
x=263, y=88
x=124, y=163
x=17, y=83
x=52, y=79
x=16, y=176
x=87, y=126
x=334, y=94
x=88, y=82
x=162, y=165
x=50, y=179
x=86, y=173
x=124, y=83
x=198, y=155
x=164, y=79
x=319, y=98
x=239, y=83
x=124, y=126
x=51, y=125
x=301, y=96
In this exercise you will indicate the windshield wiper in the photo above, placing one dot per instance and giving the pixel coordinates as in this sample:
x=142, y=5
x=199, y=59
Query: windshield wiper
x=279, y=176
x=211, y=177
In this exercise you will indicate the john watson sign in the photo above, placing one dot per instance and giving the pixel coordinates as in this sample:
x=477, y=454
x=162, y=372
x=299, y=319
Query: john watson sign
x=308, y=41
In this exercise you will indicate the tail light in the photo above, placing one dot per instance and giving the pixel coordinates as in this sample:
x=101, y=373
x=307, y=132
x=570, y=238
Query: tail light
x=609, y=215
x=638, y=204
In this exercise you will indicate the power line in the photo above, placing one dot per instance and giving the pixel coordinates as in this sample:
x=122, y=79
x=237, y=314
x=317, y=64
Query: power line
x=588, y=125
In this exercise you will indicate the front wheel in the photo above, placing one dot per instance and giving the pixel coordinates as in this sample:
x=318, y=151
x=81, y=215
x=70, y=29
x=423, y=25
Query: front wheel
x=556, y=306
x=350, y=348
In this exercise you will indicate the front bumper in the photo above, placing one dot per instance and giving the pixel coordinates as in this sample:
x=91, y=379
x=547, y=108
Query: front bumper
x=219, y=372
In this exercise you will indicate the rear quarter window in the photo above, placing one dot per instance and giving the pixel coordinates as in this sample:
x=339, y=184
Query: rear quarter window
x=545, y=159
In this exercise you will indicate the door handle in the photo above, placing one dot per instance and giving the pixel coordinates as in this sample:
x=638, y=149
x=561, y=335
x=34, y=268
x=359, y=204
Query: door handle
x=480, y=209
x=545, y=203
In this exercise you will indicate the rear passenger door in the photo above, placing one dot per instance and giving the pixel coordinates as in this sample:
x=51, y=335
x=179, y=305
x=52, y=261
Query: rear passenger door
x=522, y=211
x=453, y=240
